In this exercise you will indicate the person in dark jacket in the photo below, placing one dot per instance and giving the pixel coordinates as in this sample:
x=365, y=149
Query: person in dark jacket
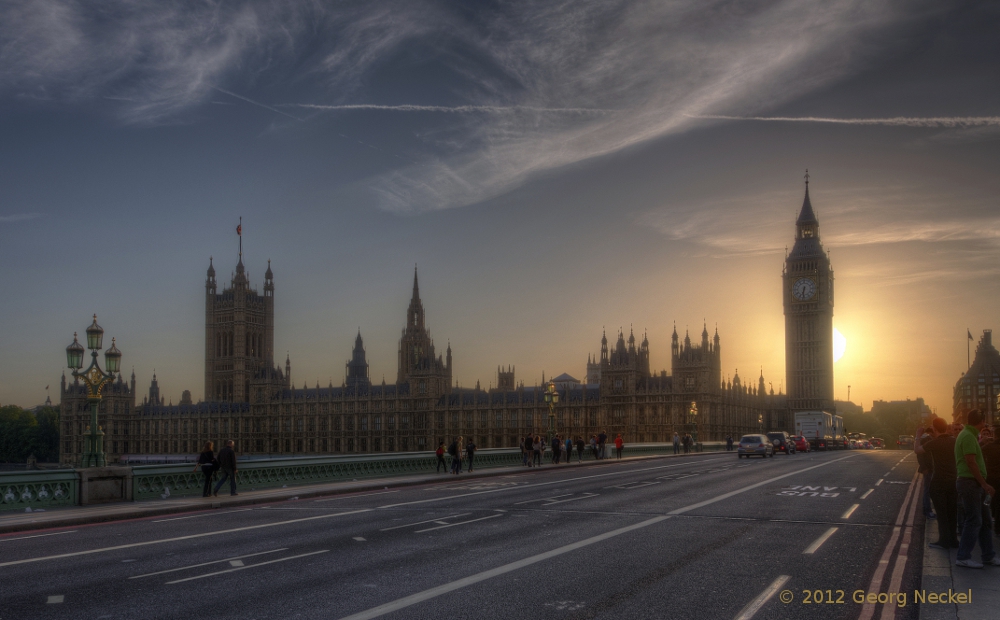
x=227, y=462
x=944, y=496
x=440, y=457
x=991, y=455
x=208, y=465
x=470, y=453
x=925, y=468
x=579, y=448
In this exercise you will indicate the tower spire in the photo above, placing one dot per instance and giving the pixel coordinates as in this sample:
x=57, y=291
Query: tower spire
x=416, y=286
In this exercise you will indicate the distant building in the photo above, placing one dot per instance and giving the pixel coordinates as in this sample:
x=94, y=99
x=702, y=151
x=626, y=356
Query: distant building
x=900, y=413
x=251, y=400
x=979, y=387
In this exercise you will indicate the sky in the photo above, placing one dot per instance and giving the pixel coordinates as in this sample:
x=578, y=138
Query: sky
x=554, y=169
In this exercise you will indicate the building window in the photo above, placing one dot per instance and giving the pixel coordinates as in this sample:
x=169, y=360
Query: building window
x=299, y=424
x=404, y=422
x=390, y=422
x=364, y=424
x=350, y=444
x=323, y=445
x=376, y=444
x=298, y=445
x=377, y=422
x=336, y=445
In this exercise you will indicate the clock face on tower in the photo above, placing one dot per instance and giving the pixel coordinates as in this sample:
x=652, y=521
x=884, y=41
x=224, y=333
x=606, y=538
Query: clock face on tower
x=803, y=289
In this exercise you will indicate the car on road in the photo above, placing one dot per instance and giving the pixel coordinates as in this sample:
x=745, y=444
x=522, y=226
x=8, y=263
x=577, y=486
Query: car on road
x=905, y=442
x=801, y=443
x=755, y=445
x=878, y=443
x=782, y=442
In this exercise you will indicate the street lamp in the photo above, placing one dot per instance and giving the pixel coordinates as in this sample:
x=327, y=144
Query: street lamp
x=551, y=398
x=693, y=421
x=95, y=379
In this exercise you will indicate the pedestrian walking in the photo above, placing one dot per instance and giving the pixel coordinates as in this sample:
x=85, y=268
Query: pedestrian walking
x=536, y=450
x=943, y=474
x=619, y=445
x=556, y=443
x=925, y=468
x=602, y=441
x=569, y=449
x=677, y=443
x=456, y=456
x=729, y=443
x=525, y=450
x=686, y=441
x=579, y=448
x=973, y=491
x=440, y=456
x=227, y=463
x=593, y=447
x=470, y=453
x=208, y=464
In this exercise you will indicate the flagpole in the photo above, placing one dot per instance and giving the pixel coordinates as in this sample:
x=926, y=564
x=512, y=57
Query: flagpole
x=968, y=349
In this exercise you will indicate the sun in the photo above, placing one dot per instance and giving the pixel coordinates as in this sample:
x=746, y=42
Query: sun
x=839, y=345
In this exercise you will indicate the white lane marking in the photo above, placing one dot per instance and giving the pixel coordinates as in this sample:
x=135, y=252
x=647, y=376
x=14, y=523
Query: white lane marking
x=188, y=537
x=206, y=514
x=236, y=563
x=572, y=499
x=359, y=538
x=719, y=498
x=426, y=595
x=542, y=499
x=867, y=493
x=542, y=484
x=333, y=499
x=37, y=536
x=889, y=611
x=238, y=557
x=754, y=606
x=230, y=570
x=887, y=473
x=879, y=482
x=628, y=486
x=850, y=511
x=58, y=598
x=435, y=520
x=441, y=527
x=811, y=549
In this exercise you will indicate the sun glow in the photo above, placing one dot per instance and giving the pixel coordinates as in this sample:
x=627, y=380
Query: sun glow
x=839, y=345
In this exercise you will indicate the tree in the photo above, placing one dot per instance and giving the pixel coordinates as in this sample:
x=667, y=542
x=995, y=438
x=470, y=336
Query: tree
x=23, y=433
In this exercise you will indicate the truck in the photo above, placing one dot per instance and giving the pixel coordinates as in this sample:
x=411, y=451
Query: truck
x=822, y=429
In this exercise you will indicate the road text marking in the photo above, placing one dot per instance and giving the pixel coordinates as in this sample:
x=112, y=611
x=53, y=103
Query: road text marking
x=819, y=541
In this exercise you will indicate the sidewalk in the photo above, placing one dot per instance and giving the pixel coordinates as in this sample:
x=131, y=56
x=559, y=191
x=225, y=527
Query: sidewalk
x=79, y=515
x=940, y=574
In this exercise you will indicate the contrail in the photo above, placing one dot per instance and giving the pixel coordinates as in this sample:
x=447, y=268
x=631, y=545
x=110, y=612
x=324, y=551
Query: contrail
x=461, y=109
x=257, y=103
x=898, y=121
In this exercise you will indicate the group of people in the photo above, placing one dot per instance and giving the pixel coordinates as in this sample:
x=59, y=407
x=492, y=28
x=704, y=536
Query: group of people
x=534, y=447
x=209, y=463
x=461, y=451
x=686, y=442
x=957, y=461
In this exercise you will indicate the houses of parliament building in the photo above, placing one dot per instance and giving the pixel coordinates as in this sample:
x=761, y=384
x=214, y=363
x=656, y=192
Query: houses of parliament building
x=252, y=400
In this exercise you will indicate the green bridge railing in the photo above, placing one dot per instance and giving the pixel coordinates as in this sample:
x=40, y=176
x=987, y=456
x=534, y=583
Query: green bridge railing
x=22, y=490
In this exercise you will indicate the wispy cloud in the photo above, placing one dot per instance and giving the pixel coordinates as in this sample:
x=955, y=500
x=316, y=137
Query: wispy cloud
x=19, y=217
x=898, y=121
x=460, y=109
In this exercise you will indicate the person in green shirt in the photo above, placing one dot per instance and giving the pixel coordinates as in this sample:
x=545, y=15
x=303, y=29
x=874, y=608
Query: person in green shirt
x=972, y=488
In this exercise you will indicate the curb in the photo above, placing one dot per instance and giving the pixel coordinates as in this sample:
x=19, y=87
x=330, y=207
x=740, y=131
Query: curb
x=284, y=494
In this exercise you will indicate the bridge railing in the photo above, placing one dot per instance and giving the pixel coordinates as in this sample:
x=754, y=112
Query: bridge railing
x=39, y=489
x=150, y=482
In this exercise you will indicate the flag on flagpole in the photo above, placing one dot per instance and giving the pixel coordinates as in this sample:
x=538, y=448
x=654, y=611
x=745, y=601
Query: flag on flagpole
x=46, y=387
x=970, y=334
x=239, y=231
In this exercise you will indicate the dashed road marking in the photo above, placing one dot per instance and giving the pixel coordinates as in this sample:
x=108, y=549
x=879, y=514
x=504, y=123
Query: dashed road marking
x=333, y=499
x=56, y=598
x=238, y=557
x=819, y=541
x=230, y=570
x=236, y=562
x=850, y=511
x=754, y=606
x=867, y=493
x=879, y=482
x=359, y=539
x=441, y=527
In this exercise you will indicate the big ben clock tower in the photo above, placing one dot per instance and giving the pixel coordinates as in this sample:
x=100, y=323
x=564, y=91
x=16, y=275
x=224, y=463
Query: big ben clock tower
x=807, y=289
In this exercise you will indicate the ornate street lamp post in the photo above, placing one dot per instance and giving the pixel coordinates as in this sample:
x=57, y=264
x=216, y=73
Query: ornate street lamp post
x=551, y=398
x=693, y=421
x=95, y=379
